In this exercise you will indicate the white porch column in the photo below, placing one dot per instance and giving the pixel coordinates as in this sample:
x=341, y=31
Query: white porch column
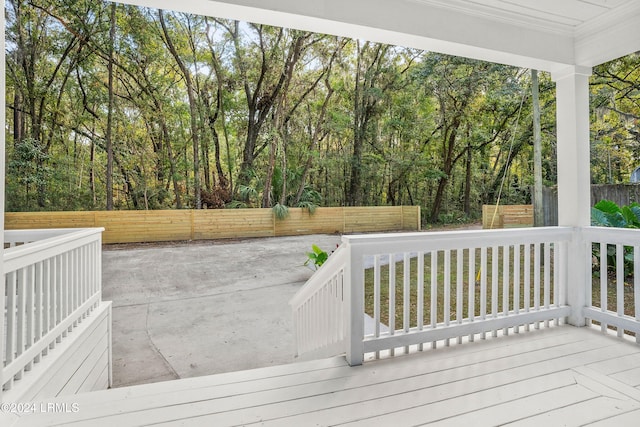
x=574, y=179
x=3, y=140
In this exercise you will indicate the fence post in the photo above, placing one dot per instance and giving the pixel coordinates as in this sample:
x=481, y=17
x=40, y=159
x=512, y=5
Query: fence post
x=354, y=301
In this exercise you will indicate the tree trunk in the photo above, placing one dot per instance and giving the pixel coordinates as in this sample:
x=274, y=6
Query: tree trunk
x=192, y=108
x=538, y=212
x=467, y=182
x=108, y=136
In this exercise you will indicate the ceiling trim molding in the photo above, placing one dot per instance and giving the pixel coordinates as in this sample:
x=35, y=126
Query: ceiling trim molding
x=608, y=19
x=505, y=16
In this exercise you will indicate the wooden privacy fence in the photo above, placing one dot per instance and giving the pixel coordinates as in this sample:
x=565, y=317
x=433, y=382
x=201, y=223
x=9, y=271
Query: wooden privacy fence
x=168, y=225
x=507, y=216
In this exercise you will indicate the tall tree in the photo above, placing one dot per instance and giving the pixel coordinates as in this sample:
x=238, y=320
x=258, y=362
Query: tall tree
x=193, y=107
x=109, y=131
x=538, y=214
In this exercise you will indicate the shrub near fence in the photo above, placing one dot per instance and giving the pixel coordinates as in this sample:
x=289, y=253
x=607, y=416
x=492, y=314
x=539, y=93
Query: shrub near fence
x=171, y=225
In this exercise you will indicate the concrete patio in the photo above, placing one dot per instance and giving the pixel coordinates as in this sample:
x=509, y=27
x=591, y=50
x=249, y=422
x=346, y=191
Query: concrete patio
x=197, y=308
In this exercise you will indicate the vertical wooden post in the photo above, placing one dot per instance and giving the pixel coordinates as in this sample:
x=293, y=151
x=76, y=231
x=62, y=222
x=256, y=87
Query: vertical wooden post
x=354, y=301
x=193, y=224
x=2, y=149
x=574, y=204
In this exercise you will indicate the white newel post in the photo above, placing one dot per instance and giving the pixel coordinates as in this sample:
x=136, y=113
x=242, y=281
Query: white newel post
x=574, y=191
x=354, y=302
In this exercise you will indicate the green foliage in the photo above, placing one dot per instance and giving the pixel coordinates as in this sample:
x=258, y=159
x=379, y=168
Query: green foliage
x=317, y=257
x=608, y=214
x=236, y=204
x=280, y=211
x=406, y=126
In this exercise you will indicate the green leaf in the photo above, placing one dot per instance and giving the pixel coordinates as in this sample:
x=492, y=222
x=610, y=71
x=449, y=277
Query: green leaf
x=607, y=206
x=635, y=208
x=599, y=218
x=616, y=220
x=630, y=217
x=317, y=257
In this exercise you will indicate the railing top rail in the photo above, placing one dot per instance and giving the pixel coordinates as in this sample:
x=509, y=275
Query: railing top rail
x=335, y=261
x=38, y=233
x=371, y=244
x=626, y=236
x=42, y=249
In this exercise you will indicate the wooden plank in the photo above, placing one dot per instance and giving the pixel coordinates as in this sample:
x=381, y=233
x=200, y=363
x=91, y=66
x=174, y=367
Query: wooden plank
x=515, y=408
x=507, y=216
x=630, y=377
x=95, y=353
x=584, y=413
x=388, y=379
x=627, y=419
x=172, y=225
x=49, y=376
x=301, y=221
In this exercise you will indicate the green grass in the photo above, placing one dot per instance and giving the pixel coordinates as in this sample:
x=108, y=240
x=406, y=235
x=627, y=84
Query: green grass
x=440, y=298
x=629, y=305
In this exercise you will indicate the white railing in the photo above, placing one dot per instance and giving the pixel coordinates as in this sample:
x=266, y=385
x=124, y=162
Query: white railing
x=13, y=238
x=319, y=309
x=430, y=288
x=52, y=282
x=613, y=291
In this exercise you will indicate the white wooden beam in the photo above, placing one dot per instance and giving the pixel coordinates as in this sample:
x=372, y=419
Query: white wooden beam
x=399, y=22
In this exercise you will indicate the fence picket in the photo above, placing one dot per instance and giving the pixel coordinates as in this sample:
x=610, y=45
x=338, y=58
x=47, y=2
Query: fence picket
x=547, y=278
x=406, y=294
x=472, y=288
x=459, y=290
x=420, y=284
x=447, y=291
x=620, y=283
x=536, y=280
x=392, y=297
x=506, y=263
x=483, y=287
x=604, y=269
x=434, y=293
x=494, y=285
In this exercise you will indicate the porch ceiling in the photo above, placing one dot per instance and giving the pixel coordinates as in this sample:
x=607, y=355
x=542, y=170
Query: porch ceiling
x=547, y=35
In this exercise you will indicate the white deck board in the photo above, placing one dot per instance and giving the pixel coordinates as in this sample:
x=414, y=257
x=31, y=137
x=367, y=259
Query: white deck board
x=627, y=419
x=542, y=375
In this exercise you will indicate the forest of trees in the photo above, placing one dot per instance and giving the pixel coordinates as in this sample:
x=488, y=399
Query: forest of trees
x=120, y=107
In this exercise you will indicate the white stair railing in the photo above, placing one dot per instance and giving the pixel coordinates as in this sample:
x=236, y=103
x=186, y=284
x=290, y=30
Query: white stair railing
x=319, y=309
x=52, y=282
x=430, y=288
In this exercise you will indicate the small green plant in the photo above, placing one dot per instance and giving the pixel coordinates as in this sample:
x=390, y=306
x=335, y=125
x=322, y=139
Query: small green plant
x=280, y=211
x=608, y=214
x=317, y=257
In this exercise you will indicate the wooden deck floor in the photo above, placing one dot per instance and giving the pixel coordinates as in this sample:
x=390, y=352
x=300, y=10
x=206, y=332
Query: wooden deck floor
x=557, y=376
